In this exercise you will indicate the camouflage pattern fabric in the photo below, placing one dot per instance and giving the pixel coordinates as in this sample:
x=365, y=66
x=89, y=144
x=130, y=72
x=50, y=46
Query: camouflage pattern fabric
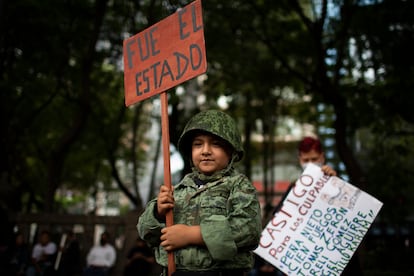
x=228, y=212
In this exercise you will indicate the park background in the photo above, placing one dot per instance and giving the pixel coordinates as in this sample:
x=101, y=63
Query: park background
x=339, y=69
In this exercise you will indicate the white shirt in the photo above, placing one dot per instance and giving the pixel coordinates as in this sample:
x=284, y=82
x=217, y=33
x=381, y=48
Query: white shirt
x=101, y=256
x=39, y=250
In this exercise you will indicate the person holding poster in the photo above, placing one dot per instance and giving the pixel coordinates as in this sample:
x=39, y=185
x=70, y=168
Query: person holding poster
x=310, y=150
x=216, y=209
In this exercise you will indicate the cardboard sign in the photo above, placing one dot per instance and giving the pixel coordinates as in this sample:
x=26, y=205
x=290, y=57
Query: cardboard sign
x=319, y=227
x=165, y=54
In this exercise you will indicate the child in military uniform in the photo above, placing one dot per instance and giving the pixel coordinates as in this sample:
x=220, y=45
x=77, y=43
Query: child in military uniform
x=216, y=210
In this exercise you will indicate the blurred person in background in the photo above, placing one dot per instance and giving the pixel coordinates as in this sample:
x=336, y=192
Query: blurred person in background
x=70, y=264
x=43, y=256
x=101, y=257
x=20, y=256
x=140, y=259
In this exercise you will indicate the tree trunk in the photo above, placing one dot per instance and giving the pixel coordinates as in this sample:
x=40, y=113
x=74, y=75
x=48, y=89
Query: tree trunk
x=60, y=152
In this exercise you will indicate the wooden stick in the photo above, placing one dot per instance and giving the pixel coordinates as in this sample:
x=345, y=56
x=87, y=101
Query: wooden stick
x=167, y=169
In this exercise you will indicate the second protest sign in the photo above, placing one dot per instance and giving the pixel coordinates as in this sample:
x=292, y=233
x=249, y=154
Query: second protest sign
x=319, y=227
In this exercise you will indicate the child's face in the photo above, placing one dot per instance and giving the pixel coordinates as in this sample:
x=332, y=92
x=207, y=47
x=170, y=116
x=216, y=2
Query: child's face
x=209, y=153
x=311, y=157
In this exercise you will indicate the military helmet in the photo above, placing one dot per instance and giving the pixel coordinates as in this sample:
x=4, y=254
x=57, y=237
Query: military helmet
x=215, y=122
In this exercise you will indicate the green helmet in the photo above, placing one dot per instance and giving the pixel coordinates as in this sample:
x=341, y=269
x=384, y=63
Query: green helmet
x=215, y=122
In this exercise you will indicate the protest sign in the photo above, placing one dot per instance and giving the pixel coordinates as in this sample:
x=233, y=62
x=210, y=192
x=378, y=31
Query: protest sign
x=165, y=54
x=319, y=227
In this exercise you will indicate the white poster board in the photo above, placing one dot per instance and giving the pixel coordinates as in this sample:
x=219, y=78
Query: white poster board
x=319, y=227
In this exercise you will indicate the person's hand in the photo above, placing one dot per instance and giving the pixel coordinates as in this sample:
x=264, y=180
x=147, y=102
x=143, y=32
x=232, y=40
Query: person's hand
x=179, y=236
x=165, y=200
x=328, y=170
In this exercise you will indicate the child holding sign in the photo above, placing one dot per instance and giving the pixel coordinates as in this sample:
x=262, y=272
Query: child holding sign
x=216, y=210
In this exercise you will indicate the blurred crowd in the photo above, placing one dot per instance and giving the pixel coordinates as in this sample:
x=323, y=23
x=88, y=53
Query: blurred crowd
x=47, y=258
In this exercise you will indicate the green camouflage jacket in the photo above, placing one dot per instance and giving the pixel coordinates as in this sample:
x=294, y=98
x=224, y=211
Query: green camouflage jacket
x=228, y=212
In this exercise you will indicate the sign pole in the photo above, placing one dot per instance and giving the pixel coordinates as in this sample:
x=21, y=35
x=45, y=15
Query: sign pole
x=167, y=169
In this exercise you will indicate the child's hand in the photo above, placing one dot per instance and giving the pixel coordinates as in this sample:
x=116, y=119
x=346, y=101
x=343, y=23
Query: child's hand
x=165, y=200
x=180, y=235
x=328, y=170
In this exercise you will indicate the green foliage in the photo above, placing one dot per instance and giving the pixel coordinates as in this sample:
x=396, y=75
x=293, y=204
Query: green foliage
x=71, y=202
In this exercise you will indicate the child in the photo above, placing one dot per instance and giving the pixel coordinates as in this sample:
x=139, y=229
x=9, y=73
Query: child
x=217, y=220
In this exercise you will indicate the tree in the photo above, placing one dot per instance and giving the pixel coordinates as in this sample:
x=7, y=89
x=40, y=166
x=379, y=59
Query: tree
x=383, y=66
x=316, y=48
x=53, y=68
x=60, y=79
